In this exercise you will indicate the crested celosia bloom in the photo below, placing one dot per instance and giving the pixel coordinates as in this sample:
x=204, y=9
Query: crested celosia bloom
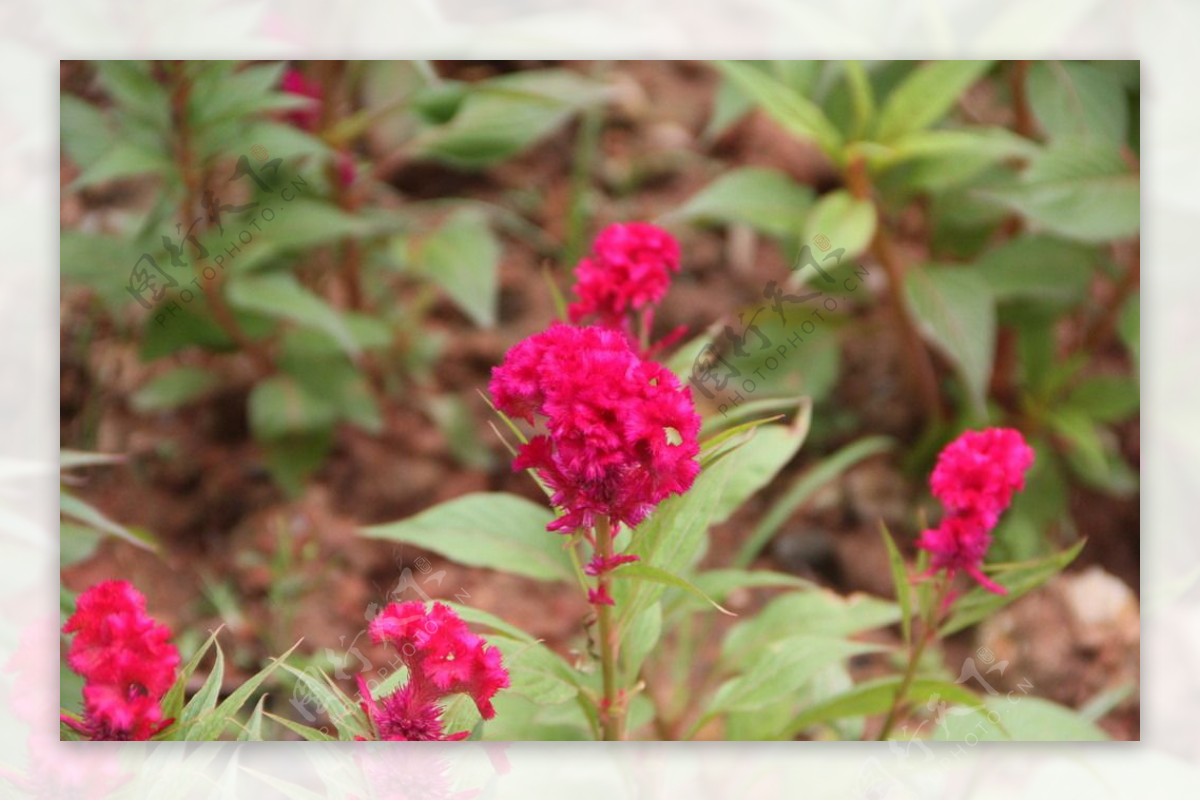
x=443, y=658
x=629, y=269
x=621, y=432
x=975, y=478
x=126, y=660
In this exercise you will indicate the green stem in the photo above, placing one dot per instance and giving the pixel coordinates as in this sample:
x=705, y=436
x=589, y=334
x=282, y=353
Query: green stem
x=610, y=714
x=914, y=660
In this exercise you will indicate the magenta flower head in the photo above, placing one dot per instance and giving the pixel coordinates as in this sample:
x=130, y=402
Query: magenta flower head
x=126, y=660
x=975, y=478
x=621, y=432
x=443, y=658
x=628, y=270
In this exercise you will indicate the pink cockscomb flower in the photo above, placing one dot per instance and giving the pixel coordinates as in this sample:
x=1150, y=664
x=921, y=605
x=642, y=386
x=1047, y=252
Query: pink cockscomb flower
x=443, y=658
x=308, y=116
x=975, y=478
x=628, y=270
x=126, y=660
x=621, y=432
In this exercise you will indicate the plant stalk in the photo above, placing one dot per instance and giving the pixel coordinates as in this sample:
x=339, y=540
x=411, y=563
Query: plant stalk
x=914, y=660
x=610, y=714
x=920, y=373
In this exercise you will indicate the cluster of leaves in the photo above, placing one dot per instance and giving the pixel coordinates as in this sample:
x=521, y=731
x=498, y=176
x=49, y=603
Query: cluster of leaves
x=312, y=295
x=1019, y=226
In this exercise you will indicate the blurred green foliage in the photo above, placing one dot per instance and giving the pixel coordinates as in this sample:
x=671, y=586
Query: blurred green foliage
x=268, y=239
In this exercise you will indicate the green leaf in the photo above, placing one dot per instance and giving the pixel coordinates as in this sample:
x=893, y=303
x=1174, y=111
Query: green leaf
x=803, y=488
x=1074, y=100
x=926, y=95
x=280, y=295
x=875, y=697
x=502, y=116
x=281, y=140
x=327, y=376
x=1020, y=718
x=85, y=130
x=1078, y=191
x=205, y=699
x=188, y=326
x=302, y=224
x=74, y=508
x=537, y=673
x=307, y=732
x=900, y=582
x=982, y=146
x=341, y=710
x=76, y=543
x=780, y=670
x=133, y=88
x=481, y=618
x=862, y=97
x=1092, y=451
x=956, y=312
x=173, y=389
x=281, y=405
x=792, y=110
x=639, y=638
x=212, y=724
x=729, y=105
x=172, y=701
x=122, y=160
x=487, y=529
x=1105, y=399
x=463, y=258
x=645, y=572
x=1018, y=580
x=759, y=461
x=69, y=459
x=292, y=457
x=1038, y=268
x=719, y=584
x=223, y=93
x=814, y=612
x=252, y=732
x=762, y=198
x=846, y=222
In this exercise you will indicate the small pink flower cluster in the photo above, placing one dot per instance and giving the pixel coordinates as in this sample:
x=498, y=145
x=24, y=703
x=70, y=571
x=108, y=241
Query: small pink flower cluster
x=975, y=478
x=127, y=662
x=621, y=431
x=628, y=270
x=443, y=658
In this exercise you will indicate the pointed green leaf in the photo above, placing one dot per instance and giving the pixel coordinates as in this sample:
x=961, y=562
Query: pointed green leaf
x=957, y=313
x=487, y=529
x=796, y=113
x=926, y=95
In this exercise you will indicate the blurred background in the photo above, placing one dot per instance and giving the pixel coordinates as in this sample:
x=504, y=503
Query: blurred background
x=285, y=285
